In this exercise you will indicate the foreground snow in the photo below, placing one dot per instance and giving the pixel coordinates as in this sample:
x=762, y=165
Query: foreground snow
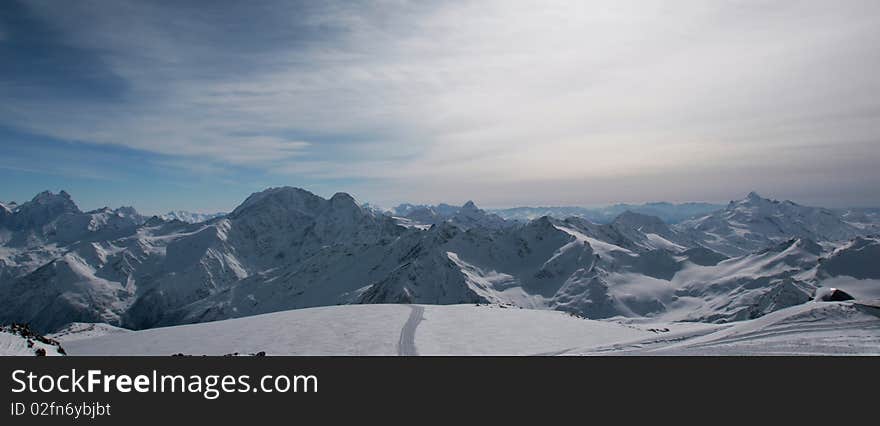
x=343, y=330
x=824, y=328
x=371, y=330
x=84, y=330
x=813, y=328
x=17, y=340
x=818, y=328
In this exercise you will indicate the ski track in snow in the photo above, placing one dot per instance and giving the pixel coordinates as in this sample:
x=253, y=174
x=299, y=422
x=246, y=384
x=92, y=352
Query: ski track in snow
x=406, y=346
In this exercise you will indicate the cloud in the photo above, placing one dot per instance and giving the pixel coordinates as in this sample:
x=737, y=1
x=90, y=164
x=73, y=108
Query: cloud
x=478, y=99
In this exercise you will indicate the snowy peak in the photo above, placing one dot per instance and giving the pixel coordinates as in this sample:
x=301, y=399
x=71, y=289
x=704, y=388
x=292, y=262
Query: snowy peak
x=342, y=198
x=48, y=197
x=471, y=210
x=190, y=217
x=755, y=223
x=753, y=202
x=668, y=212
x=754, y=196
x=543, y=222
x=640, y=221
x=284, y=225
x=343, y=202
x=43, y=208
x=441, y=209
x=48, y=201
x=290, y=200
x=106, y=218
x=465, y=217
x=470, y=216
x=33, y=221
x=469, y=206
x=127, y=212
x=284, y=198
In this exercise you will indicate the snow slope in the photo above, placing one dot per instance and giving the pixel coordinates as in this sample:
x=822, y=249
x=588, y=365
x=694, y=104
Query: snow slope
x=745, y=287
x=829, y=328
x=17, y=340
x=500, y=330
x=819, y=328
x=853, y=267
x=84, y=330
x=369, y=330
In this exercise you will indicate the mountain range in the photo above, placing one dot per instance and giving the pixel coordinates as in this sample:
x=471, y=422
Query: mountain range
x=286, y=248
x=668, y=212
x=190, y=217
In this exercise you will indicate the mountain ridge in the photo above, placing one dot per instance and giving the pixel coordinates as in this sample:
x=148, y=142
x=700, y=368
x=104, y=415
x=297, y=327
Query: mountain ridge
x=287, y=248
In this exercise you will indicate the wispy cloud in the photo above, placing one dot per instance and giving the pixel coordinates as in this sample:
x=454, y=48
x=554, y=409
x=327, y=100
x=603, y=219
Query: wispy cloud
x=58, y=171
x=605, y=99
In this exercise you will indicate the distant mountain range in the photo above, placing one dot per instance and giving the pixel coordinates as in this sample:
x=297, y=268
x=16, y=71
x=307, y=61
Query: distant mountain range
x=190, y=217
x=286, y=248
x=668, y=212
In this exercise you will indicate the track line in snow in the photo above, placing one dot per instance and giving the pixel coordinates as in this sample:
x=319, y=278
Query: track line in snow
x=406, y=346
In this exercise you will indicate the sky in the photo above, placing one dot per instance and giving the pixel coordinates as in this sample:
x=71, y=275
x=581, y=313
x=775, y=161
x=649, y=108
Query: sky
x=194, y=105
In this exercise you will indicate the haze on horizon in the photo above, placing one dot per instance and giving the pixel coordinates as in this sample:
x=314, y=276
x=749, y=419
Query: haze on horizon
x=177, y=105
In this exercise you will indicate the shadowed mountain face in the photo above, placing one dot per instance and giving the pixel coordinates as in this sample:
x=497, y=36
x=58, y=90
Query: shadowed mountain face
x=286, y=248
x=859, y=259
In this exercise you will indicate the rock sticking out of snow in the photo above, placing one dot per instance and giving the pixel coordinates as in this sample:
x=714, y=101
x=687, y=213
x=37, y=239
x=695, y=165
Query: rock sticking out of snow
x=20, y=340
x=831, y=294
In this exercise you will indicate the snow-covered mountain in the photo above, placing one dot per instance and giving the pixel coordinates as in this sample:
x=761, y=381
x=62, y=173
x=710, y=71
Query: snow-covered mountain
x=860, y=259
x=34, y=233
x=755, y=223
x=50, y=217
x=853, y=267
x=467, y=216
x=668, y=212
x=190, y=217
x=746, y=287
x=867, y=220
x=442, y=209
x=146, y=275
x=286, y=248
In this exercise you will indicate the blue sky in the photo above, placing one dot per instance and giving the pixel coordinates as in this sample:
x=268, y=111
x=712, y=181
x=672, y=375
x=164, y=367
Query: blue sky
x=194, y=105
